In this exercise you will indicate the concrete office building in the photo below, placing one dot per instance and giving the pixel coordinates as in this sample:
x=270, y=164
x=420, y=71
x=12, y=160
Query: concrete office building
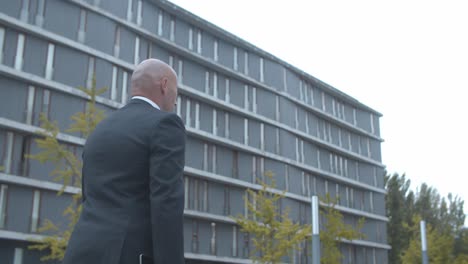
x=246, y=112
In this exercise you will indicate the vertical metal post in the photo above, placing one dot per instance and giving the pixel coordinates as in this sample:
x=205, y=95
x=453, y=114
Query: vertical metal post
x=425, y=260
x=315, y=231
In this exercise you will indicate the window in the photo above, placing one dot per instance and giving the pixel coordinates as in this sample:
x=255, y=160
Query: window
x=215, y=123
x=9, y=152
x=277, y=146
x=50, y=62
x=18, y=257
x=190, y=39
x=46, y=103
x=179, y=106
x=117, y=42
x=24, y=11
x=371, y=200
x=195, y=241
x=30, y=104
x=160, y=23
x=234, y=241
x=354, y=116
x=199, y=41
x=303, y=185
x=180, y=71
x=277, y=113
x=91, y=71
x=319, y=164
x=213, y=158
x=19, y=52
x=254, y=169
x=205, y=157
x=345, y=167
x=171, y=61
x=334, y=107
x=286, y=177
x=139, y=13
x=246, y=131
x=213, y=239
x=235, y=66
x=124, y=87
x=197, y=115
x=359, y=144
x=254, y=99
x=296, y=119
x=215, y=84
x=246, y=63
x=2, y=41
x=285, y=82
x=262, y=79
x=227, y=95
x=35, y=211
x=262, y=136
x=207, y=82
x=306, y=89
x=82, y=27
x=40, y=13
x=172, y=32
x=226, y=125
x=371, y=119
x=186, y=192
x=215, y=50
x=369, y=154
x=323, y=102
x=297, y=150
x=129, y=10
x=339, y=137
x=227, y=200
x=246, y=97
x=114, y=83
x=246, y=247
x=3, y=204
x=136, y=55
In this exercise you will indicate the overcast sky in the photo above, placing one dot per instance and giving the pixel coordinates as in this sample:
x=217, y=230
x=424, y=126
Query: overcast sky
x=407, y=59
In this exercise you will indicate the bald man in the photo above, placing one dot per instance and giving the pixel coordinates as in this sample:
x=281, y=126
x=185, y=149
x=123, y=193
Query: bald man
x=133, y=197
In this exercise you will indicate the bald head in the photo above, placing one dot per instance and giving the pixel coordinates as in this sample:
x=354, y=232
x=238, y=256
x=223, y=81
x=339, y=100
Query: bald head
x=156, y=81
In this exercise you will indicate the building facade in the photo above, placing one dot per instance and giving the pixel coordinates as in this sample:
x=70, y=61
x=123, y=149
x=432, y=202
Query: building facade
x=246, y=112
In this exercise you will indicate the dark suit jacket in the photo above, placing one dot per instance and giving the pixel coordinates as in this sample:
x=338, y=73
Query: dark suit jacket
x=133, y=196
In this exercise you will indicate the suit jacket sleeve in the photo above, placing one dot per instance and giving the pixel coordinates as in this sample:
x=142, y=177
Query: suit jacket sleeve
x=167, y=160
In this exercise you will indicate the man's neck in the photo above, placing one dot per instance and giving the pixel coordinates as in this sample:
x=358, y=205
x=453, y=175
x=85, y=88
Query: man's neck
x=146, y=99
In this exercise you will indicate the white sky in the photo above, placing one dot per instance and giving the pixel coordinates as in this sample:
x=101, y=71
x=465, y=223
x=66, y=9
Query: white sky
x=407, y=59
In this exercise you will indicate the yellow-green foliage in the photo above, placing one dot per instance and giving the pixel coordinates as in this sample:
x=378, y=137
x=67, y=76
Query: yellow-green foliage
x=67, y=169
x=274, y=235
x=334, y=230
x=439, y=246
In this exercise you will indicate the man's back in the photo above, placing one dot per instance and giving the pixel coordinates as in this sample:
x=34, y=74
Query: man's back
x=132, y=189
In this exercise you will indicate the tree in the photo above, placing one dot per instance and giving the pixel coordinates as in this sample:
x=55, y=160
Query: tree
x=439, y=245
x=274, y=233
x=67, y=170
x=334, y=231
x=399, y=201
x=444, y=217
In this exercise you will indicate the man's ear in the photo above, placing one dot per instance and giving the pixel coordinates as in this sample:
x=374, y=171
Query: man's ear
x=164, y=86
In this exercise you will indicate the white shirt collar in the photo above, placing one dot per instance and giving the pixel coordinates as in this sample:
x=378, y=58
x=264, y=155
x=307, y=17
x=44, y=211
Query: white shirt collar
x=153, y=104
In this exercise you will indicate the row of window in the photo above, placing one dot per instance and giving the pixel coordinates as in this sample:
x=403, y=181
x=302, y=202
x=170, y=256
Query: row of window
x=199, y=193
x=225, y=124
x=277, y=141
x=32, y=213
x=220, y=87
x=215, y=159
x=132, y=48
